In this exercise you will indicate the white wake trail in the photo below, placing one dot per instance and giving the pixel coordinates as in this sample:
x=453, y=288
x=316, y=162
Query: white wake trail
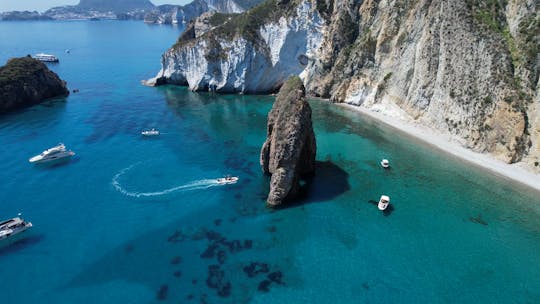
x=194, y=185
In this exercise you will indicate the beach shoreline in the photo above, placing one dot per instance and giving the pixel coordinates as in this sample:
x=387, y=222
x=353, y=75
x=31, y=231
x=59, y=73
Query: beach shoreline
x=513, y=172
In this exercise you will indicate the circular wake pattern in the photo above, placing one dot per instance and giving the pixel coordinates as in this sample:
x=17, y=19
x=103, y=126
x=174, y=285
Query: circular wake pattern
x=194, y=185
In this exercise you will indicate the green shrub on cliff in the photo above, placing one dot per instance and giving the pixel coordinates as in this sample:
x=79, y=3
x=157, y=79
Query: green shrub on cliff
x=17, y=69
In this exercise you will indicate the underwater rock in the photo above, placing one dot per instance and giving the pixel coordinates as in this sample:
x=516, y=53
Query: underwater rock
x=176, y=260
x=177, y=274
x=216, y=280
x=264, y=286
x=276, y=277
x=162, y=292
x=255, y=268
x=289, y=150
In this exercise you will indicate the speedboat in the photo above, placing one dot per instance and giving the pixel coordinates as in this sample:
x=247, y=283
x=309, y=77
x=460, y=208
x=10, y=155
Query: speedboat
x=227, y=180
x=385, y=163
x=46, y=57
x=54, y=153
x=152, y=132
x=383, y=202
x=13, y=226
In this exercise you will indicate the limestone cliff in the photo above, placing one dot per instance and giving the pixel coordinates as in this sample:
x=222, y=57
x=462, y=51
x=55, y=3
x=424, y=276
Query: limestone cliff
x=467, y=68
x=289, y=150
x=26, y=81
x=183, y=14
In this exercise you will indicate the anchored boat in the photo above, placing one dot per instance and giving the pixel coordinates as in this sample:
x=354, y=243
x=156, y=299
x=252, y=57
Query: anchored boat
x=152, y=132
x=46, y=57
x=13, y=226
x=383, y=202
x=54, y=153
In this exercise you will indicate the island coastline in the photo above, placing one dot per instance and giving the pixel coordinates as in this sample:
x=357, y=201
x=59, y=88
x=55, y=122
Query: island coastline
x=445, y=144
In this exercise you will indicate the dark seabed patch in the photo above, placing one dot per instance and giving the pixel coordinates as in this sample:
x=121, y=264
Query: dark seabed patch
x=478, y=220
x=162, y=292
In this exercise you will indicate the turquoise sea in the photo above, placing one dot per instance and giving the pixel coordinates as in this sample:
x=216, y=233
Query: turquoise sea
x=141, y=220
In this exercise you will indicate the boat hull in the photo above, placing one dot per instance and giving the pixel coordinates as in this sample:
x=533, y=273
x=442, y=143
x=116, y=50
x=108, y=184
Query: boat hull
x=224, y=180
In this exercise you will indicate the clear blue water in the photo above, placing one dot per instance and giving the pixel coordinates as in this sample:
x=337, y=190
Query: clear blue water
x=135, y=220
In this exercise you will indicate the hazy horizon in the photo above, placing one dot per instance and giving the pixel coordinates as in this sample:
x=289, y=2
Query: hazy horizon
x=41, y=6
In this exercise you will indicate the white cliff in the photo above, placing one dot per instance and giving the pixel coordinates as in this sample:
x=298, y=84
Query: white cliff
x=467, y=69
x=281, y=49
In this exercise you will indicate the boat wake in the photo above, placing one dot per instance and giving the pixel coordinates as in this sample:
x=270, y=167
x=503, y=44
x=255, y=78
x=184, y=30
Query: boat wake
x=194, y=185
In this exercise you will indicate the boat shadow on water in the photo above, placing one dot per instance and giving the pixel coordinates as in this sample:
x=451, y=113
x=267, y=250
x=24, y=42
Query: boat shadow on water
x=19, y=243
x=385, y=212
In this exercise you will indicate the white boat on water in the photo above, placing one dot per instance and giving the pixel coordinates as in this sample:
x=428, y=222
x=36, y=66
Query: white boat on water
x=385, y=163
x=54, y=153
x=227, y=180
x=383, y=202
x=13, y=226
x=46, y=57
x=151, y=132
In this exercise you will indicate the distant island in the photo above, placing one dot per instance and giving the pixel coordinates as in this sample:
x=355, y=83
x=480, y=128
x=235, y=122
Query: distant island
x=133, y=10
x=27, y=81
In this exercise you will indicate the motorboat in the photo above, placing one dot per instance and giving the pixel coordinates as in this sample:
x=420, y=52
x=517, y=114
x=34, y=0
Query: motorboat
x=385, y=163
x=46, y=57
x=54, y=153
x=383, y=202
x=13, y=226
x=227, y=180
x=151, y=132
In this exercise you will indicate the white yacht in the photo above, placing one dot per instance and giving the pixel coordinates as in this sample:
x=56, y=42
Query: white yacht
x=227, y=180
x=383, y=202
x=385, y=163
x=54, y=153
x=13, y=226
x=46, y=57
x=151, y=132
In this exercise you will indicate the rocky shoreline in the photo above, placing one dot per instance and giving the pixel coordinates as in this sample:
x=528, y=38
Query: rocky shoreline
x=25, y=82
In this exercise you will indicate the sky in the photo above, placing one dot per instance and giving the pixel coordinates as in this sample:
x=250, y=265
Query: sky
x=43, y=5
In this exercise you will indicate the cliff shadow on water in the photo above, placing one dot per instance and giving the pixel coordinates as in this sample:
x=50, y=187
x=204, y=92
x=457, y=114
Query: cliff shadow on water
x=328, y=182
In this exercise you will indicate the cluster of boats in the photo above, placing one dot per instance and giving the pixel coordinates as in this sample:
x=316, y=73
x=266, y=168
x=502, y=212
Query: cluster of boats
x=384, y=201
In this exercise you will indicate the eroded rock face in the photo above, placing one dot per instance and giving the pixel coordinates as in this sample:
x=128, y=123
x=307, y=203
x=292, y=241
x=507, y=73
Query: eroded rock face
x=289, y=150
x=26, y=81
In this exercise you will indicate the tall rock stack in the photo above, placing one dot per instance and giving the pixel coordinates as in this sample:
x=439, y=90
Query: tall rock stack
x=288, y=153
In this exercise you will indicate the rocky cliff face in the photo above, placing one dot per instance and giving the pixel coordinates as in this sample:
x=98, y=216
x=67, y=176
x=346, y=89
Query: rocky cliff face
x=289, y=150
x=248, y=53
x=467, y=68
x=26, y=81
x=178, y=14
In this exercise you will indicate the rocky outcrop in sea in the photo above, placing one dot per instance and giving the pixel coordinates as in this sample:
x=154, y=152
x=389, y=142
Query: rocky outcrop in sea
x=25, y=82
x=468, y=69
x=288, y=153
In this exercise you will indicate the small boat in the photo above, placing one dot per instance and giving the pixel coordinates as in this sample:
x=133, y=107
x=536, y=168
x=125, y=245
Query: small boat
x=152, y=132
x=46, y=57
x=383, y=202
x=54, y=153
x=13, y=226
x=227, y=180
x=385, y=163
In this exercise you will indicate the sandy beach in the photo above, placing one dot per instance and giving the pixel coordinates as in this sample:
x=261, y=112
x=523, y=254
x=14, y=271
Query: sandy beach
x=442, y=142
